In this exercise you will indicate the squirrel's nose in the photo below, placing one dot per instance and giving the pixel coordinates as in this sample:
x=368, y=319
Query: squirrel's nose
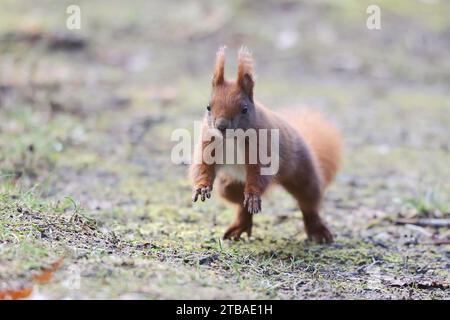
x=221, y=127
x=222, y=124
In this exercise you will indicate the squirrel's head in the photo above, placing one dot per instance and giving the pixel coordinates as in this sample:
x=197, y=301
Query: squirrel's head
x=231, y=105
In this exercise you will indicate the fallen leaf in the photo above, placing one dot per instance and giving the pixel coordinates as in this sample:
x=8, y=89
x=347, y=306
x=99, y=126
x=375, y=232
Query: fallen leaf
x=10, y=294
x=46, y=273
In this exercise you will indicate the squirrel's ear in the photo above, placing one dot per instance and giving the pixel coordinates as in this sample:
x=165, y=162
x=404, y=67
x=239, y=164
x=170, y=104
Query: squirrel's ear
x=218, y=77
x=246, y=77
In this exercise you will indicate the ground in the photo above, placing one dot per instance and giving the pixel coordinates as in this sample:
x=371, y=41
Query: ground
x=89, y=196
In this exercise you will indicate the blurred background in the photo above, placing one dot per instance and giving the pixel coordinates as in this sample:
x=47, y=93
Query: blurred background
x=86, y=115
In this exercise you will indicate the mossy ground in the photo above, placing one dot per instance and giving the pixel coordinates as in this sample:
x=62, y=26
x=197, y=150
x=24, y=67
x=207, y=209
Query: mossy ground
x=85, y=170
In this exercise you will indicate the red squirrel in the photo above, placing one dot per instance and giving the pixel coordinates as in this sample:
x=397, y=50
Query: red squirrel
x=309, y=153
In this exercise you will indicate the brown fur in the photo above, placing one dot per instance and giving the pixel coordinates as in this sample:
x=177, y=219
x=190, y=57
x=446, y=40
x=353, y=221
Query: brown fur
x=309, y=153
x=322, y=138
x=219, y=69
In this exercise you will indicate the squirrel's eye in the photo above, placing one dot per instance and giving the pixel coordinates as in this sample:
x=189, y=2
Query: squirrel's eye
x=245, y=109
x=208, y=107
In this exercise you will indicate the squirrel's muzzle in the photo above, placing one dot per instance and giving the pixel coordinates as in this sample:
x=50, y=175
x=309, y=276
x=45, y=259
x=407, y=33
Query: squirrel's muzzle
x=222, y=124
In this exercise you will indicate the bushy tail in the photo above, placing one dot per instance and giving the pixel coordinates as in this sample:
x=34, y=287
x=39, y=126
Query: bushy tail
x=323, y=138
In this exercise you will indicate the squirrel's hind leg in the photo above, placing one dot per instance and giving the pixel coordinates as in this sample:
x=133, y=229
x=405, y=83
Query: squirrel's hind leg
x=233, y=191
x=242, y=223
x=309, y=199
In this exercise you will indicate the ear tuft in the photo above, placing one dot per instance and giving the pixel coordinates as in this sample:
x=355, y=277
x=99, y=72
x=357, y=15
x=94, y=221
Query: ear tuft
x=246, y=76
x=219, y=69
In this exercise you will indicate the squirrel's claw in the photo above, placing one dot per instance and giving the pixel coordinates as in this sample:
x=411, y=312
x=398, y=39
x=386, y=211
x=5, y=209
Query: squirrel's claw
x=203, y=192
x=319, y=233
x=252, y=202
x=234, y=231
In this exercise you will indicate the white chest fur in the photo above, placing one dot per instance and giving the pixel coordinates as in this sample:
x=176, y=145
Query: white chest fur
x=235, y=171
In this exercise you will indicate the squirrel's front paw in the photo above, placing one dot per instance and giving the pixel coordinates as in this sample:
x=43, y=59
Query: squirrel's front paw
x=252, y=202
x=203, y=192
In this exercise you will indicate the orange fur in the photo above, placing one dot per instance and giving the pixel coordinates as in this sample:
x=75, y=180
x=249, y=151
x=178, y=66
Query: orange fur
x=219, y=69
x=322, y=137
x=309, y=153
